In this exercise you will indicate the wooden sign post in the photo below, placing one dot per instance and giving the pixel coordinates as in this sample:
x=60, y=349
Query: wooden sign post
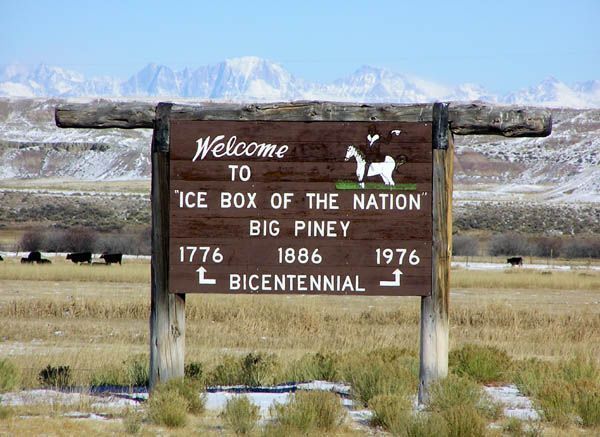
x=302, y=198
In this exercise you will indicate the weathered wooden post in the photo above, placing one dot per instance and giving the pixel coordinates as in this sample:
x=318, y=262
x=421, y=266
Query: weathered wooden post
x=434, y=308
x=167, y=310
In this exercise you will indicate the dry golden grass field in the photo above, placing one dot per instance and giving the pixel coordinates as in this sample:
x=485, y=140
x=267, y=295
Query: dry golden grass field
x=95, y=319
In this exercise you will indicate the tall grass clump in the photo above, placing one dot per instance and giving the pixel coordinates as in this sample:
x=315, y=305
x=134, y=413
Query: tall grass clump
x=394, y=413
x=107, y=376
x=55, y=376
x=587, y=404
x=531, y=374
x=563, y=392
x=464, y=421
x=240, y=415
x=170, y=403
x=167, y=407
x=253, y=370
x=259, y=369
x=384, y=372
x=194, y=370
x=484, y=364
x=555, y=400
x=132, y=421
x=390, y=411
x=456, y=391
x=323, y=366
x=190, y=391
x=513, y=426
x=10, y=377
x=5, y=412
x=137, y=371
x=310, y=413
x=227, y=372
x=579, y=368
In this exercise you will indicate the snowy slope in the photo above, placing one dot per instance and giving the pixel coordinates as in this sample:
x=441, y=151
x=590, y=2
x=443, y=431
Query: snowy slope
x=562, y=167
x=32, y=146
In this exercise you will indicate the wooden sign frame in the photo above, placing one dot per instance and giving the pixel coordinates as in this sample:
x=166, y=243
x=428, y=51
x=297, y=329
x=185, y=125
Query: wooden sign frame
x=167, y=318
x=167, y=326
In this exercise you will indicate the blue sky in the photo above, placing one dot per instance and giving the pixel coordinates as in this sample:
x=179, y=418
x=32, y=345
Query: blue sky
x=502, y=45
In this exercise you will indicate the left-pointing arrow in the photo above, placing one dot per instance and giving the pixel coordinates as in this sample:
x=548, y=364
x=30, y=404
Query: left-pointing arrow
x=202, y=280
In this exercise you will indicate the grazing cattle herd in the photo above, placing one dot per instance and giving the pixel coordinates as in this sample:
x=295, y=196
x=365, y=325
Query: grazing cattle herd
x=35, y=257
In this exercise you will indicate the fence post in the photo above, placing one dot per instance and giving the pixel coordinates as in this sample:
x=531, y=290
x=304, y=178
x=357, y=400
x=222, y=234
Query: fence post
x=167, y=310
x=434, y=308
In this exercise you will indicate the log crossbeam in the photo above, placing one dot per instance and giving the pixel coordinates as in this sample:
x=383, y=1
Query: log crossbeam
x=463, y=118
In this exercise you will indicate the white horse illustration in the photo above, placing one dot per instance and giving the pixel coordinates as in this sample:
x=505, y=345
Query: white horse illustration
x=384, y=169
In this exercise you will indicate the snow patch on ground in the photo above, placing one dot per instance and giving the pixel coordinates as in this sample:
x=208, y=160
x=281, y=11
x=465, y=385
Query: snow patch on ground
x=515, y=404
x=54, y=397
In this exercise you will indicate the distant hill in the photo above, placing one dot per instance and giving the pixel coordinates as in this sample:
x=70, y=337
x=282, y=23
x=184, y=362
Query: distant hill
x=562, y=167
x=255, y=79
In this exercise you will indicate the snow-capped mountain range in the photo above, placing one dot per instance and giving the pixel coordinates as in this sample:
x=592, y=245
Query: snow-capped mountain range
x=256, y=79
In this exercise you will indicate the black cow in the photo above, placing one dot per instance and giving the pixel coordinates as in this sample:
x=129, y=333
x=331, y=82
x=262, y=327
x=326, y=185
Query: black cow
x=1, y=259
x=110, y=258
x=80, y=257
x=34, y=256
x=515, y=261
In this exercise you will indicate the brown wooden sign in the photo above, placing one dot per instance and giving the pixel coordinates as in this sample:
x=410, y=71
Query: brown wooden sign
x=300, y=207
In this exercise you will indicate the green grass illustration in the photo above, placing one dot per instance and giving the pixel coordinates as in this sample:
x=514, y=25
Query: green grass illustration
x=351, y=185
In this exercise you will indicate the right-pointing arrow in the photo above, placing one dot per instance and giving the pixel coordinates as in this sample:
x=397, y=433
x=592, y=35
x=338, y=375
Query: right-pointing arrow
x=395, y=283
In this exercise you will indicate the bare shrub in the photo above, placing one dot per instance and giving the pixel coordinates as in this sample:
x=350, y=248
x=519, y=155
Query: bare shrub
x=54, y=241
x=80, y=239
x=582, y=248
x=509, y=244
x=116, y=243
x=145, y=241
x=546, y=246
x=32, y=240
x=465, y=245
